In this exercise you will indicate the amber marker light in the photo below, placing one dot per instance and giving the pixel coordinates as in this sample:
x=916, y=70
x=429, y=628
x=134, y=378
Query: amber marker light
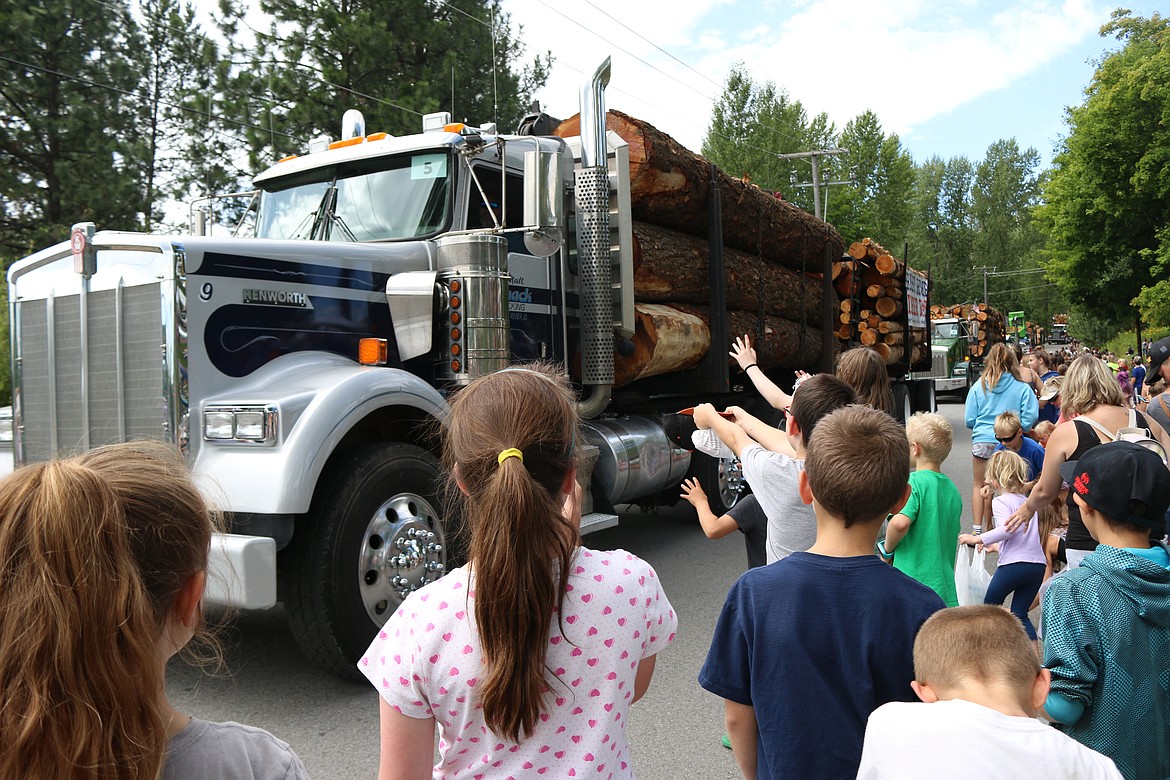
x=455, y=318
x=455, y=334
x=455, y=366
x=455, y=301
x=347, y=142
x=373, y=352
x=456, y=285
x=455, y=349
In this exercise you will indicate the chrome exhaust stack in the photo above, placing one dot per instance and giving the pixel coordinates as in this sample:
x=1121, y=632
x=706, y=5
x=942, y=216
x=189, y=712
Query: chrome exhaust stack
x=593, y=248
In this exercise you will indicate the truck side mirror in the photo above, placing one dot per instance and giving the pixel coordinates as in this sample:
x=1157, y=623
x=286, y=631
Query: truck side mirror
x=543, y=202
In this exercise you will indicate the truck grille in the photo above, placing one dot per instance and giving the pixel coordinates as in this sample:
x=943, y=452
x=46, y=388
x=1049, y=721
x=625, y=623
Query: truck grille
x=938, y=366
x=126, y=385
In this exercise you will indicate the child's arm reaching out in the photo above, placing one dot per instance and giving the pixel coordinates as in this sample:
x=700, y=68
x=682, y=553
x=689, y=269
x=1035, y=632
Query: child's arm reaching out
x=714, y=527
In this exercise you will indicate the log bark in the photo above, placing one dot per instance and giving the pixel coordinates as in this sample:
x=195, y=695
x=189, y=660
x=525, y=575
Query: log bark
x=876, y=290
x=673, y=267
x=665, y=340
x=888, y=353
x=669, y=186
x=779, y=343
x=889, y=326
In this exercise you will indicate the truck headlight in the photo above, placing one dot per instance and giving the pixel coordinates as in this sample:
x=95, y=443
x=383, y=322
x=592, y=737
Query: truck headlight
x=248, y=424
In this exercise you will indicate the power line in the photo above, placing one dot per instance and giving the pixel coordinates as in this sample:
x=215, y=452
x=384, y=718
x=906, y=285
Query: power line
x=129, y=93
x=655, y=45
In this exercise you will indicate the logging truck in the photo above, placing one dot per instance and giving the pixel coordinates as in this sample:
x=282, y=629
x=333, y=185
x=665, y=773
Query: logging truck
x=304, y=370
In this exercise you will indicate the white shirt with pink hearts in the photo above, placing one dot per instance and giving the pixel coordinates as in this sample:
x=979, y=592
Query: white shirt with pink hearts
x=426, y=663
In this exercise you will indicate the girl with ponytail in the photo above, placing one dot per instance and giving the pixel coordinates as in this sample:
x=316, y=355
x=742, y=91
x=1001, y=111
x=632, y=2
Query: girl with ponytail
x=103, y=559
x=527, y=659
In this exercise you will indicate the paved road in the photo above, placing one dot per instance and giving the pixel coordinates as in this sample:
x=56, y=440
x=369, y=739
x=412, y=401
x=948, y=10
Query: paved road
x=674, y=731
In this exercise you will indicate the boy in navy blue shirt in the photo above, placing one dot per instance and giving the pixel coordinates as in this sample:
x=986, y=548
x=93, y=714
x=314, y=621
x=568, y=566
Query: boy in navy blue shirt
x=807, y=647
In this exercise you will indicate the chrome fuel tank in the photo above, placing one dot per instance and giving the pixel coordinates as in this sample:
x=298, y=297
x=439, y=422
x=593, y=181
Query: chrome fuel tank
x=637, y=459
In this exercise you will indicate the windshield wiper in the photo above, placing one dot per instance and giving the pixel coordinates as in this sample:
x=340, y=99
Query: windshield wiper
x=321, y=218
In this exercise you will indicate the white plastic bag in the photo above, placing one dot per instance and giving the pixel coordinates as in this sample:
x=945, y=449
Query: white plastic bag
x=971, y=575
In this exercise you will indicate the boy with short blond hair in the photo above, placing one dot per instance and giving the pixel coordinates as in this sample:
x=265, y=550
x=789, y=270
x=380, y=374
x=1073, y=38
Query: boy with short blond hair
x=805, y=648
x=921, y=537
x=977, y=672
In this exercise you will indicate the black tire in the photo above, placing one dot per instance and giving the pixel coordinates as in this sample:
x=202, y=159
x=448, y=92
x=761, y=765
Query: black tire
x=370, y=523
x=721, y=479
x=902, y=410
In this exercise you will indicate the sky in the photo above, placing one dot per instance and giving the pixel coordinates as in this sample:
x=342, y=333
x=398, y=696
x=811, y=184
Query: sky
x=949, y=77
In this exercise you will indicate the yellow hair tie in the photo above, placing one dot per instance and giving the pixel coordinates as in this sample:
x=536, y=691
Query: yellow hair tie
x=511, y=452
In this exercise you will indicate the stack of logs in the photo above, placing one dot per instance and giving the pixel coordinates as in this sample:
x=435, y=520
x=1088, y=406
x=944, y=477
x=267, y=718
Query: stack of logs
x=871, y=282
x=992, y=323
x=771, y=250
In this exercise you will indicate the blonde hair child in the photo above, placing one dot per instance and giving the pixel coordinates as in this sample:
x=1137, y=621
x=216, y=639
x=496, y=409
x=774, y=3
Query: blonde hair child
x=1022, y=560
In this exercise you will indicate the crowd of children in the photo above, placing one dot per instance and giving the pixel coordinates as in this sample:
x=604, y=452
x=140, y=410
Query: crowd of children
x=839, y=653
x=791, y=626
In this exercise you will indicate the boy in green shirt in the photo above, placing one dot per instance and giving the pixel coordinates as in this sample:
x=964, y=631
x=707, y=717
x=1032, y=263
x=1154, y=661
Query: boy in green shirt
x=923, y=533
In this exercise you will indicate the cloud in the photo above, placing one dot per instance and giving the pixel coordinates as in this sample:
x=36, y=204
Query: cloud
x=907, y=60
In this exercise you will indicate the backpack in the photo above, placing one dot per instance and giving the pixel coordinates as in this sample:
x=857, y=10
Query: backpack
x=1132, y=432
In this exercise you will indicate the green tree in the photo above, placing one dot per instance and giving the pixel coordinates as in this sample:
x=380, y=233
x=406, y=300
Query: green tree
x=751, y=124
x=67, y=137
x=176, y=61
x=1108, y=199
x=881, y=203
x=395, y=60
x=1004, y=195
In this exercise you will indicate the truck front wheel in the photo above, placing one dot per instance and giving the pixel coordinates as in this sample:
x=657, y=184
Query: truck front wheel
x=721, y=479
x=374, y=534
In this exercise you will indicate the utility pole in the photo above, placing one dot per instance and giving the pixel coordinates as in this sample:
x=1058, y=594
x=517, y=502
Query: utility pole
x=815, y=158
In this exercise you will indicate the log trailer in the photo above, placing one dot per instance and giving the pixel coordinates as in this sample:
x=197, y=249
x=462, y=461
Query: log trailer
x=304, y=371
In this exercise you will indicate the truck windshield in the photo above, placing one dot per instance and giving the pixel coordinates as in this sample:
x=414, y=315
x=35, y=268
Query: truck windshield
x=387, y=198
x=946, y=330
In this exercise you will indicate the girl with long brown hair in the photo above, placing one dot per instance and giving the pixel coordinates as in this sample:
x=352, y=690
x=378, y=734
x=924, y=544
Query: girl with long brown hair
x=998, y=390
x=103, y=559
x=527, y=659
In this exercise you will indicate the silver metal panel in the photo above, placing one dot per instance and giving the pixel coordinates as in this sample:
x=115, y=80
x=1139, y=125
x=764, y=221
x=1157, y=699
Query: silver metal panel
x=32, y=402
x=479, y=262
x=68, y=365
x=596, y=521
x=325, y=396
x=411, y=296
x=621, y=228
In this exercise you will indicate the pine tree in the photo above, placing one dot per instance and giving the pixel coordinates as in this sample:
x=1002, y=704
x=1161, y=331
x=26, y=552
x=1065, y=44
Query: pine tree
x=395, y=60
x=67, y=133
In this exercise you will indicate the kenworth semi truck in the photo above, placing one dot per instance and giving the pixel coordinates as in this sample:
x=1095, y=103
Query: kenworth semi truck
x=304, y=370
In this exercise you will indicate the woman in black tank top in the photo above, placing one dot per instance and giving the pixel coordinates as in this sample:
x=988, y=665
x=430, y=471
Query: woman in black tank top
x=1089, y=391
